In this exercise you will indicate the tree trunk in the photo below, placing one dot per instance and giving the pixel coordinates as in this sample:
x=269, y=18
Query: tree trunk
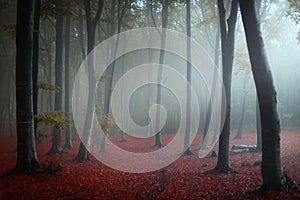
x=208, y=113
x=227, y=44
x=187, y=149
x=48, y=46
x=241, y=124
x=83, y=154
x=164, y=16
x=56, y=137
x=26, y=156
x=121, y=15
x=110, y=70
x=272, y=172
x=68, y=142
x=81, y=33
x=35, y=58
x=103, y=144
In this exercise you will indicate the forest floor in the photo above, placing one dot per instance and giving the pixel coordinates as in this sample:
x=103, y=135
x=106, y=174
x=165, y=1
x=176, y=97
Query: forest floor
x=186, y=178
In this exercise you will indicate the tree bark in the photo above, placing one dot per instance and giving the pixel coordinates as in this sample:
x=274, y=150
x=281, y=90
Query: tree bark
x=208, y=113
x=110, y=72
x=272, y=172
x=81, y=33
x=227, y=44
x=35, y=58
x=56, y=135
x=91, y=23
x=187, y=149
x=241, y=124
x=164, y=17
x=26, y=159
x=68, y=142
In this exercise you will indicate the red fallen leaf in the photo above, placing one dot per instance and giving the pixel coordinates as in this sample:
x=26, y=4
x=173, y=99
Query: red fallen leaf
x=184, y=179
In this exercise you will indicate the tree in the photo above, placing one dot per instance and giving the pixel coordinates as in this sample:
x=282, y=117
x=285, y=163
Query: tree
x=244, y=104
x=227, y=45
x=110, y=71
x=26, y=153
x=272, y=172
x=189, y=78
x=35, y=58
x=68, y=142
x=56, y=138
x=164, y=18
x=91, y=24
x=210, y=14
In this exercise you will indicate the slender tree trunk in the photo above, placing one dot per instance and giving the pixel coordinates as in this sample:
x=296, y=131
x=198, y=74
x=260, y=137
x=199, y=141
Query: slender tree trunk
x=81, y=33
x=49, y=62
x=91, y=23
x=208, y=114
x=68, y=142
x=26, y=159
x=110, y=70
x=56, y=137
x=227, y=44
x=35, y=58
x=109, y=82
x=164, y=16
x=272, y=172
x=121, y=15
x=241, y=124
x=103, y=144
x=187, y=149
x=50, y=93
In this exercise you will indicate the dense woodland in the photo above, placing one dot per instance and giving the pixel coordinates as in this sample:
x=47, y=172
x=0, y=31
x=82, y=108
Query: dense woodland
x=254, y=44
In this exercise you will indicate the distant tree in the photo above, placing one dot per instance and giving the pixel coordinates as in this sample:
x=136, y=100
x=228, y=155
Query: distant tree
x=227, y=28
x=244, y=104
x=91, y=24
x=47, y=36
x=164, y=20
x=35, y=57
x=56, y=137
x=110, y=71
x=189, y=80
x=211, y=31
x=271, y=168
x=68, y=142
x=26, y=152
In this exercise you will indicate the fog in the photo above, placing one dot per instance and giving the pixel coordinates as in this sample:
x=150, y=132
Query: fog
x=282, y=48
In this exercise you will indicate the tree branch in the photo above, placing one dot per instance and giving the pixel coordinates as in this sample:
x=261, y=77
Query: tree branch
x=98, y=13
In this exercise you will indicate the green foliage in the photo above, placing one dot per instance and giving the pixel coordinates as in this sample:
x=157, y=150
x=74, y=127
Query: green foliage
x=46, y=86
x=57, y=118
x=288, y=116
x=242, y=62
x=104, y=77
x=52, y=166
x=106, y=121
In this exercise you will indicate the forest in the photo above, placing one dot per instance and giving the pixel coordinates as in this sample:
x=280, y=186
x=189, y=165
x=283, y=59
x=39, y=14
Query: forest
x=149, y=99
